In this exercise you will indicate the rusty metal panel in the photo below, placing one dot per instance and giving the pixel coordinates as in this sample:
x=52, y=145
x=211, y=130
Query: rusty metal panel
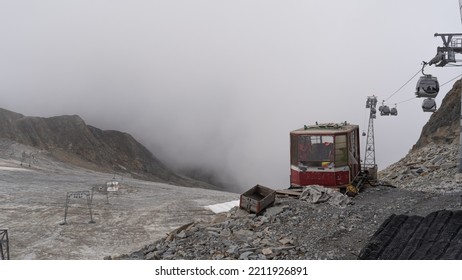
x=323, y=177
x=295, y=178
x=342, y=178
x=257, y=199
x=317, y=178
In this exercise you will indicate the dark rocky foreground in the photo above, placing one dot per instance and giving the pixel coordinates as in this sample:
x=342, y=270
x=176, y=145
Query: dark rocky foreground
x=403, y=237
x=295, y=229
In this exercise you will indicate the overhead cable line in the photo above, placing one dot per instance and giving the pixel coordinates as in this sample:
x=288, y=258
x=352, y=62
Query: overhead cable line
x=406, y=100
x=404, y=84
x=365, y=117
x=451, y=80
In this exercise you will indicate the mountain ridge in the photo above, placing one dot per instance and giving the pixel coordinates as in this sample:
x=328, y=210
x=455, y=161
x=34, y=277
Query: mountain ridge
x=69, y=139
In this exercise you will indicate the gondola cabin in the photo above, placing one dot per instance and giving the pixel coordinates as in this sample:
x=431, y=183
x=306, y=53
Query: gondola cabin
x=427, y=86
x=429, y=105
x=394, y=111
x=384, y=110
x=325, y=154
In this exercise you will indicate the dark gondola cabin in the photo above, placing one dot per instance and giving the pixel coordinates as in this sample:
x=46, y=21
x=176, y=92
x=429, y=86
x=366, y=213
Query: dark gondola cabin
x=427, y=86
x=325, y=154
x=429, y=105
x=384, y=110
x=394, y=111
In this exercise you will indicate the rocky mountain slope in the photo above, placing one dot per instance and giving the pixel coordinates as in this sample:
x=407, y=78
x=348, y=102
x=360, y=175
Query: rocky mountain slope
x=431, y=164
x=70, y=139
x=443, y=125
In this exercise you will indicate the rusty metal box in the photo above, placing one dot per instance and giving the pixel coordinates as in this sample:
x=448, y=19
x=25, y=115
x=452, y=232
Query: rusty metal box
x=257, y=199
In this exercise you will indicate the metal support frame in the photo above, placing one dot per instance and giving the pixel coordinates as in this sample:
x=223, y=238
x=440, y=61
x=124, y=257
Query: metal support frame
x=4, y=245
x=31, y=158
x=110, y=187
x=452, y=44
x=78, y=195
x=101, y=190
x=369, y=156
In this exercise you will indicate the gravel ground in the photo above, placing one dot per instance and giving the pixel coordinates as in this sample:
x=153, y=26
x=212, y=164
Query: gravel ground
x=295, y=229
x=424, y=181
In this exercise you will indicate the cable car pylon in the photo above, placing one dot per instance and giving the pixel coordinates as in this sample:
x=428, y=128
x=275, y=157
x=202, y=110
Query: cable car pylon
x=369, y=156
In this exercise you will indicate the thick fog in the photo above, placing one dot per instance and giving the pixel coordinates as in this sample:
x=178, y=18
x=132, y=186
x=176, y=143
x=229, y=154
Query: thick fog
x=218, y=84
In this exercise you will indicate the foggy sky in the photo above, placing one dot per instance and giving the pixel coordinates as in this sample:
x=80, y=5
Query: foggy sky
x=220, y=84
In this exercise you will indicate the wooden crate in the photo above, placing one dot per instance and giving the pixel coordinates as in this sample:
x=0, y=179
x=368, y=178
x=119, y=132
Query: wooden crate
x=257, y=199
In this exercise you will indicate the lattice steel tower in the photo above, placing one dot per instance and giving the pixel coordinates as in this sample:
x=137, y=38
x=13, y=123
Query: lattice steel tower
x=369, y=156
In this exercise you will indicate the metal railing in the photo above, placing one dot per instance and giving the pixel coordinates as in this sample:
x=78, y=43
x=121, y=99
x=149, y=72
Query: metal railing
x=4, y=245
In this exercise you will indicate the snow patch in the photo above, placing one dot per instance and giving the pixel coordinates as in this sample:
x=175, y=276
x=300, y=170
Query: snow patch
x=222, y=207
x=13, y=168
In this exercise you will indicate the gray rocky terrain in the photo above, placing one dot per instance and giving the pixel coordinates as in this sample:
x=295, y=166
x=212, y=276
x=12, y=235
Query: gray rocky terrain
x=431, y=168
x=295, y=229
